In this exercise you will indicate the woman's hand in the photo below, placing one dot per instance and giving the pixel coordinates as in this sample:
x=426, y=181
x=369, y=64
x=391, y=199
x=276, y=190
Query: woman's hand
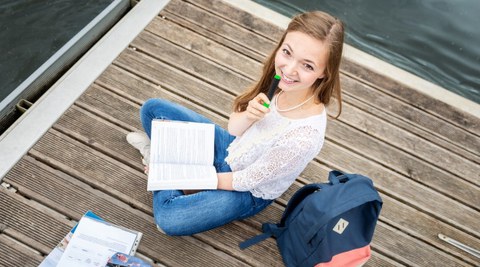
x=239, y=122
x=255, y=109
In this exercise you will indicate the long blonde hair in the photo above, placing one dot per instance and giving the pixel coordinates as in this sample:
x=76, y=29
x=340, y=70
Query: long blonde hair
x=318, y=25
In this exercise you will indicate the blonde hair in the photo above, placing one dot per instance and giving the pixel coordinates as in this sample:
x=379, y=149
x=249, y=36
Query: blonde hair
x=320, y=26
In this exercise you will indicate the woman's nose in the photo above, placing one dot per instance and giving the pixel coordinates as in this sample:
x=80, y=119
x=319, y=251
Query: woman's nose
x=290, y=68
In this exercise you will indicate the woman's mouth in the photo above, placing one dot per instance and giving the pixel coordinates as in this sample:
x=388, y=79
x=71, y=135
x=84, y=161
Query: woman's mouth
x=287, y=80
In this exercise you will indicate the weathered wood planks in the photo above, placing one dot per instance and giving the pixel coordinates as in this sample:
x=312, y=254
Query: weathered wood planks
x=422, y=155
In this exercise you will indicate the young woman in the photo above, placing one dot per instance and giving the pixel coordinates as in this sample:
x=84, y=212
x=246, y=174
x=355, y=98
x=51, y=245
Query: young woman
x=265, y=149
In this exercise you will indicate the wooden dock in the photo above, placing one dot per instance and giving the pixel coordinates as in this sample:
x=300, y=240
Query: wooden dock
x=423, y=155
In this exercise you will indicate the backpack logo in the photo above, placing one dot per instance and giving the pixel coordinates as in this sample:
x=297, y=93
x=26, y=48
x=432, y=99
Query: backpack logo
x=340, y=226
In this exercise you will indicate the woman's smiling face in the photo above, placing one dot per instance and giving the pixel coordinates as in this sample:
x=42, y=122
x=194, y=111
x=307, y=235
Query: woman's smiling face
x=300, y=61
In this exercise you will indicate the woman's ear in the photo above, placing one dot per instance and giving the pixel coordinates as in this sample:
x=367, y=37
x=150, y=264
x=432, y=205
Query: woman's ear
x=321, y=75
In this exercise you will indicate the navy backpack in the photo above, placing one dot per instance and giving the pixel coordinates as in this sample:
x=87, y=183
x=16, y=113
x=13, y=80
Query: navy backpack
x=327, y=224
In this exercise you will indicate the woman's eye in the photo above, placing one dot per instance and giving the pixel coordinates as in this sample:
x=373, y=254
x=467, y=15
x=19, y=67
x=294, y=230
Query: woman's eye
x=286, y=52
x=308, y=67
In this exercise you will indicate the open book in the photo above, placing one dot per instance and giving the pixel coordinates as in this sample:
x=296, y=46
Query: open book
x=181, y=156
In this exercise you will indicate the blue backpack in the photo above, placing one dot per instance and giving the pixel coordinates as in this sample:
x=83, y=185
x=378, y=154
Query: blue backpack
x=327, y=224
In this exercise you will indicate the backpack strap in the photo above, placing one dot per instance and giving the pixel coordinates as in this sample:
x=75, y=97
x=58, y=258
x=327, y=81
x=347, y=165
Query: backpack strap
x=268, y=229
x=254, y=240
x=297, y=198
x=336, y=176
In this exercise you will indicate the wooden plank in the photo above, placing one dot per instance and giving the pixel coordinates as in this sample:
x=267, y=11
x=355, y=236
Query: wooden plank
x=419, y=135
x=207, y=24
x=421, y=101
x=416, y=117
x=243, y=19
x=194, y=64
x=114, y=103
x=219, y=25
x=407, y=141
x=380, y=260
x=120, y=82
x=94, y=103
x=17, y=254
x=204, y=47
x=408, y=165
x=178, y=19
x=92, y=167
x=31, y=244
x=31, y=219
x=159, y=73
x=89, y=129
x=414, y=252
x=51, y=186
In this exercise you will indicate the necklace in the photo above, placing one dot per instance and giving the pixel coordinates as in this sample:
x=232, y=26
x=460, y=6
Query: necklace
x=292, y=108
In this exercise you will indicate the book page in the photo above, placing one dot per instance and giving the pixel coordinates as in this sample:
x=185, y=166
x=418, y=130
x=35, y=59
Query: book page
x=182, y=142
x=181, y=156
x=95, y=241
x=176, y=176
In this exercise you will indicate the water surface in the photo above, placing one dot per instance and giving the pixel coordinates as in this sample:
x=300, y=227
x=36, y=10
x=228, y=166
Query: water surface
x=31, y=31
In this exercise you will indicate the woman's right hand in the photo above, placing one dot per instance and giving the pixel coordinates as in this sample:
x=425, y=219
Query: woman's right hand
x=239, y=122
x=256, y=110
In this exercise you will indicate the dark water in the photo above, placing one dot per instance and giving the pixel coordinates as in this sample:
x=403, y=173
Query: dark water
x=438, y=40
x=31, y=31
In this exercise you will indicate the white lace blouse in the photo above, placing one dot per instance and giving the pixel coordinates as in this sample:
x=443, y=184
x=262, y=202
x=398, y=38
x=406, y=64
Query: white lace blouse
x=270, y=155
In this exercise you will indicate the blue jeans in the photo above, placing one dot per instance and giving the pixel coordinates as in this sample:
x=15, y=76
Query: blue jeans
x=179, y=214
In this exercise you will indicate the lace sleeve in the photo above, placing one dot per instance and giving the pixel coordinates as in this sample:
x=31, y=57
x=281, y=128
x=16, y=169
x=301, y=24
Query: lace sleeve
x=281, y=163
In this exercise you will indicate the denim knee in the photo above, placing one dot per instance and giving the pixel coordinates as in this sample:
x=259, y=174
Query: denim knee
x=165, y=226
x=153, y=108
x=153, y=104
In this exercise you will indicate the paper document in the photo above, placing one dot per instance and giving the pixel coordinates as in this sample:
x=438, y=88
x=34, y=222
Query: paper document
x=56, y=254
x=181, y=156
x=95, y=241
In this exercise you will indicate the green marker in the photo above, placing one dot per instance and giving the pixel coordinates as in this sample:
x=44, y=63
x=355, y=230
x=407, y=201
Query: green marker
x=273, y=87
